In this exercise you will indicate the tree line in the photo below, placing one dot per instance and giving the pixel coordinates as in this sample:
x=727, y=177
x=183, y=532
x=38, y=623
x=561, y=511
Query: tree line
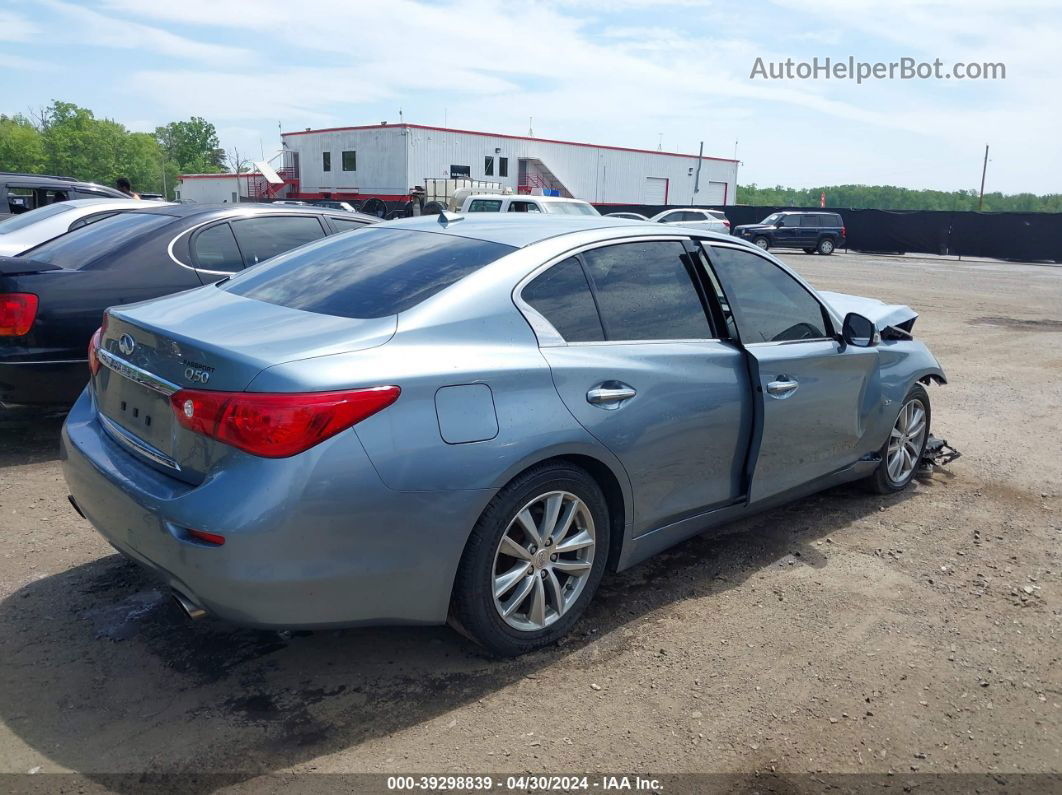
x=70, y=141
x=889, y=197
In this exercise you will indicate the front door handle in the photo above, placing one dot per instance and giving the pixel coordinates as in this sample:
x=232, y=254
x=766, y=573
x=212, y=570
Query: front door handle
x=610, y=394
x=782, y=389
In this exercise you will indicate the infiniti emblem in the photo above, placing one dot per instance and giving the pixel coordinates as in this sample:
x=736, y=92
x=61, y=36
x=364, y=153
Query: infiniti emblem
x=126, y=344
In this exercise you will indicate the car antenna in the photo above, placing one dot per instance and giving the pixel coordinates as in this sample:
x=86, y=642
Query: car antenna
x=448, y=217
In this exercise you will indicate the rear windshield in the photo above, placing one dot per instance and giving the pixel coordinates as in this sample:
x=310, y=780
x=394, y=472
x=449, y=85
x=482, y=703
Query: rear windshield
x=371, y=272
x=86, y=244
x=569, y=208
x=22, y=220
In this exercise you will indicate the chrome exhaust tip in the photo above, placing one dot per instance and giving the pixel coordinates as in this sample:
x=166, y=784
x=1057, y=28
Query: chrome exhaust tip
x=190, y=608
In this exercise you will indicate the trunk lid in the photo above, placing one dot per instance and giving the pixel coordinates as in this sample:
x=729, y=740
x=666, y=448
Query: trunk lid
x=203, y=339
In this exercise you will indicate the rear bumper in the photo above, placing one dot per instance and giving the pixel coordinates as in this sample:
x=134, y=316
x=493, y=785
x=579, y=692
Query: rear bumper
x=312, y=541
x=41, y=384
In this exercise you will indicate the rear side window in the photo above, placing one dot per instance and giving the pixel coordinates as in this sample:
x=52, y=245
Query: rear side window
x=562, y=296
x=85, y=220
x=215, y=249
x=768, y=303
x=372, y=272
x=267, y=236
x=812, y=220
x=645, y=292
x=85, y=245
x=345, y=224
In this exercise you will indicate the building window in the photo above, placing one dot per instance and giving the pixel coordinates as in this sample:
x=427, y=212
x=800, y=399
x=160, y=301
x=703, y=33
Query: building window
x=350, y=161
x=488, y=166
x=326, y=161
x=460, y=171
x=503, y=166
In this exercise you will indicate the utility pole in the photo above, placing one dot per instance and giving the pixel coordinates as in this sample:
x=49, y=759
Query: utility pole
x=697, y=176
x=984, y=170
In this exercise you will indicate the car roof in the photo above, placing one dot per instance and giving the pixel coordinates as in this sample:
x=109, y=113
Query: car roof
x=521, y=229
x=524, y=197
x=244, y=208
x=49, y=180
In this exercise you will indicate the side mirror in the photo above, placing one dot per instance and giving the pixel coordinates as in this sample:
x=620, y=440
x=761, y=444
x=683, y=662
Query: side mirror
x=859, y=332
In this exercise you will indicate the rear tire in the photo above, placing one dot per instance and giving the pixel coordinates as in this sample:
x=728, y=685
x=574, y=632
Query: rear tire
x=825, y=246
x=487, y=605
x=910, y=432
x=761, y=242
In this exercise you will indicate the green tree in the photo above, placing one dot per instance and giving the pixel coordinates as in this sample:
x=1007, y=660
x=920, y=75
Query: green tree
x=21, y=148
x=192, y=145
x=890, y=197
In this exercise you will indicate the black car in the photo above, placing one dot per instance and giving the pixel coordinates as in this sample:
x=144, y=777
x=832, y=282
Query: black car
x=814, y=232
x=52, y=297
x=20, y=193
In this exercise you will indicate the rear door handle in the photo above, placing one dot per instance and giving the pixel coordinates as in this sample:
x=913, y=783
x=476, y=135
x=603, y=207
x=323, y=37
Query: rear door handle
x=782, y=389
x=611, y=395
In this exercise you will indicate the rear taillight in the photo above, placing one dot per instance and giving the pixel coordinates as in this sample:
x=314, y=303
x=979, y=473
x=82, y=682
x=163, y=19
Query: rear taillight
x=844, y=232
x=94, y=345
x=276, y=425
x=726, y=223
x=17, y=313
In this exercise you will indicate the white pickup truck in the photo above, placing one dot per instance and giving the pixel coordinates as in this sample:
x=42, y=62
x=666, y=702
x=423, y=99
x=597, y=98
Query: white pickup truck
x=519, y=203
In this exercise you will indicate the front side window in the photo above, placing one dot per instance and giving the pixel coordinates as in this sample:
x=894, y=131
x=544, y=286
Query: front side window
x=645, y=292
x=484, y=206
x=523, y=207
x=20, y=200
x=768, y=304
x=350, y=161
x=215, y=249
x=267, y=236
x=562, y=296
x=326, y=161
x=371, y=272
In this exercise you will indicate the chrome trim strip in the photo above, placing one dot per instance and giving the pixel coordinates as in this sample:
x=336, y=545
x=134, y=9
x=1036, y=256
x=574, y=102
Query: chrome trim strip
x=128, y=440
x=136, y=374
x=54, y=361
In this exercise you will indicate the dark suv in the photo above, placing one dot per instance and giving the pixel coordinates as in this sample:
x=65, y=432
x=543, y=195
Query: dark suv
x=20, y=193
x=819, y=232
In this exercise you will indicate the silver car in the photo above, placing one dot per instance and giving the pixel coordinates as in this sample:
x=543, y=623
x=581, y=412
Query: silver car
x=19, y=233
x=695, y=218
x=473, y=418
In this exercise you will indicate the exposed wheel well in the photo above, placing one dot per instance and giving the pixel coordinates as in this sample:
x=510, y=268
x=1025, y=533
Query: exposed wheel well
x=609, y=486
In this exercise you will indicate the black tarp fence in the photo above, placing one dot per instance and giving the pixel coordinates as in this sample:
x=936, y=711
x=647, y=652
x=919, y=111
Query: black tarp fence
x=1014, y=236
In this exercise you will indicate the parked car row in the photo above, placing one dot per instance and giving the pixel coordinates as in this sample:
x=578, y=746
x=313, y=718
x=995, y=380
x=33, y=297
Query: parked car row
x=463, y=418
x=119, y=252
x=813, y=232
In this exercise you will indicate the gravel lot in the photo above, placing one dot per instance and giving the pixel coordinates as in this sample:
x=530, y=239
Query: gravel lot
x=844, y=633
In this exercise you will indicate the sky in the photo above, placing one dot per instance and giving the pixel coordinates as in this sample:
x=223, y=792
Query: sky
x=630, y=73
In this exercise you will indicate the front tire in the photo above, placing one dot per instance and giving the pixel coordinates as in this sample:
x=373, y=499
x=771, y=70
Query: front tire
x=809, y=250
x=825, y=246
x=533, y=561
x=761, y=242
x=903, y=450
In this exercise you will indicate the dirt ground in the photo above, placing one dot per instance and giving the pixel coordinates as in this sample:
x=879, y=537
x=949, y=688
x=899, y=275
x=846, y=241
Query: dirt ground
x=845, y=633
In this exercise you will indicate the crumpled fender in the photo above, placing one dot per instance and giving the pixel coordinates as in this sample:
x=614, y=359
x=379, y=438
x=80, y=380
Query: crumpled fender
x=877, y=312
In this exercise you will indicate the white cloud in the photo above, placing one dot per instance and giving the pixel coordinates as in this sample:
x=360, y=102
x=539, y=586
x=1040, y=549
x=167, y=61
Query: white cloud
x=14, y=27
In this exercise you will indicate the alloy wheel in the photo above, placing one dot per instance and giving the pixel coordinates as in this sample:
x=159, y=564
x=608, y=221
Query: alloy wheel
x=906, y=441
x=543, y=560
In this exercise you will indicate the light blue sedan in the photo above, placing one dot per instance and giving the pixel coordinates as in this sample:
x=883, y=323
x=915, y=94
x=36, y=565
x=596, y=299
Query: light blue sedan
x=474, y=418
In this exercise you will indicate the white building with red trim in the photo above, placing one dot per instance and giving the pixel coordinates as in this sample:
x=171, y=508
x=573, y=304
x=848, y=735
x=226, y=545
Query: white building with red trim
x=386, y=160
x=222, y=188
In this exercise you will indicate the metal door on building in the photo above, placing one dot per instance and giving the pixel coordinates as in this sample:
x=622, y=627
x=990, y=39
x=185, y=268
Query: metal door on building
x=655, y=190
